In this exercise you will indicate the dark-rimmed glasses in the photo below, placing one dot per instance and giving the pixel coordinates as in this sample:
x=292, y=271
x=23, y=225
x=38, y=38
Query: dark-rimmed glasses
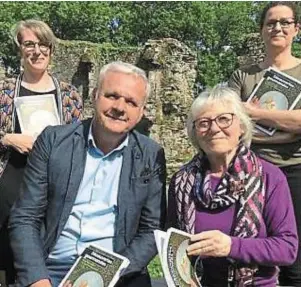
x=223, y=121
x=30, y=46
x=284, y=23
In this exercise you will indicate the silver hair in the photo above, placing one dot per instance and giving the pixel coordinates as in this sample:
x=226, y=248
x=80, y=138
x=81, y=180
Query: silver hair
x=226, y=96
x=126, y=68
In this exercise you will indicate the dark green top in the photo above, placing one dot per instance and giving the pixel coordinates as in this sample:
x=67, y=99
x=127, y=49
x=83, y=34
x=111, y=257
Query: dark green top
x=243, y=81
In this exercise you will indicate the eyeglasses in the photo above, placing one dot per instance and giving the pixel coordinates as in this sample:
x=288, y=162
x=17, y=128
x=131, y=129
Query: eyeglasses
x=284, y=23
x=30, y=46
x=223, y=121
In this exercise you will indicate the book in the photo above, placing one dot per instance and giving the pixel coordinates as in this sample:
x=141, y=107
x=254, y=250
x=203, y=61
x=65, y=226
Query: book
x=276, y=90
x=179, y=269
x=96, y=267
x=36, y=112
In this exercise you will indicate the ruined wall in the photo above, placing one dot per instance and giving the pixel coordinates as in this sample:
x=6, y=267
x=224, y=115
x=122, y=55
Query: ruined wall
x=252, y=50
x=171, y=68
x=78, y=62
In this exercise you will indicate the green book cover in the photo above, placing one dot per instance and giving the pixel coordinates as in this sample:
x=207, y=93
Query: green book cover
x=96, y=267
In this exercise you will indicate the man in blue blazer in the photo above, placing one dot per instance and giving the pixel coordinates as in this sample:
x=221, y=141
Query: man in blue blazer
x=96, y=182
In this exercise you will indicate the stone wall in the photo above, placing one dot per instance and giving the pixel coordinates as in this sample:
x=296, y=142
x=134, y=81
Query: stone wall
x=78, y=62
x=252, y=50
x=171, y=69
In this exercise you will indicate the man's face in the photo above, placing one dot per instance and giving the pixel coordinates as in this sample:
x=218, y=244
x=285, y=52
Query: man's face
x=119, y=103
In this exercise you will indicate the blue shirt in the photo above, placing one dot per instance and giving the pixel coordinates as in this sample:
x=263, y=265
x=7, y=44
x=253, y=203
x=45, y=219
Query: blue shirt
x=93, y=215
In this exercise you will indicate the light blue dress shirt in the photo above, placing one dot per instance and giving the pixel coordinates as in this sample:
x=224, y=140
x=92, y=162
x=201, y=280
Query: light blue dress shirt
x=93, y=215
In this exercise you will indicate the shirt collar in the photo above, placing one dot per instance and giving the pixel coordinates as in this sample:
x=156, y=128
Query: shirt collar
x=92, y=144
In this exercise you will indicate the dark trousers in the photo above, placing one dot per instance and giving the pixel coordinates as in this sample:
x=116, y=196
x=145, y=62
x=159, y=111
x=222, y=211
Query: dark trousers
x=136, y=280
x=291, y=275
x=7, y=272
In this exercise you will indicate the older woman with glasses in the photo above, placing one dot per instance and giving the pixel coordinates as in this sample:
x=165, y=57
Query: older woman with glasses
x=36, y=43
x=279, y=26
x=236, y=205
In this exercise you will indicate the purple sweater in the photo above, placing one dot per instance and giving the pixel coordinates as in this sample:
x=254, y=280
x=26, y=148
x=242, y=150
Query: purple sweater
x=277, y=243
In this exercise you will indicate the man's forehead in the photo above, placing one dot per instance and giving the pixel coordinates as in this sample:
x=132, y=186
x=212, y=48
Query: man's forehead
x=128, y=85
x=119, y=80
x=122, y=75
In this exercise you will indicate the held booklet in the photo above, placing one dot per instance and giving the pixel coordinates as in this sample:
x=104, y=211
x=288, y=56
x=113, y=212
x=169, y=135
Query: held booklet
x=276, y=91
x=179, y=269
x=36, y=113
x=96, y=267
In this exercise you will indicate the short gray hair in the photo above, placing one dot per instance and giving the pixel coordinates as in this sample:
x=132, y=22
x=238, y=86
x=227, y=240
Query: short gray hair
x=226, y=96
x=126, y=68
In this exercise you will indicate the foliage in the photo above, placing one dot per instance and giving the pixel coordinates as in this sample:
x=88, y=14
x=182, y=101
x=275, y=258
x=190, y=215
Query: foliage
x=216, y=30
x=155, y=268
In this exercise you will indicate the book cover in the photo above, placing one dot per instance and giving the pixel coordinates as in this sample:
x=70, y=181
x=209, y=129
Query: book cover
x=96, y=267
x=36, y=112
x=179, y=269
x=276, y=90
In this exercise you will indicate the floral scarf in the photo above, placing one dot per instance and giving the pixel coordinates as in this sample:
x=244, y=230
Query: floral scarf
x=242, y=184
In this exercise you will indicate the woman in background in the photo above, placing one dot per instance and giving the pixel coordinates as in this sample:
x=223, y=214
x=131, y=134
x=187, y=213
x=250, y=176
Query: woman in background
x=36, y=43
x=237, y=206
x=278, y=25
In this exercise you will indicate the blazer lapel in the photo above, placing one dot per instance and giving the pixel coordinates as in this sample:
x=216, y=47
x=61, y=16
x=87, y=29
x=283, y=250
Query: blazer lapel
x=77, y=168
x=124, y=190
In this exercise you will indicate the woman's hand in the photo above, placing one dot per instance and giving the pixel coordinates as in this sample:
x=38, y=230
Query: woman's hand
x=69, y=284
x=20, y=142
x=42, y=283
x=252, y=108
x=213, y=243
x=193, y=284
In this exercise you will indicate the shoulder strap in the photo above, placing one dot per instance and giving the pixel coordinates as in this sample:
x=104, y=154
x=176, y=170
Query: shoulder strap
x=16, y=94
x=59, y=99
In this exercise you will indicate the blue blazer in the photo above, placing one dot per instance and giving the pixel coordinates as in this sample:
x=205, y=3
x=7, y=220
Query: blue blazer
x=51, y=180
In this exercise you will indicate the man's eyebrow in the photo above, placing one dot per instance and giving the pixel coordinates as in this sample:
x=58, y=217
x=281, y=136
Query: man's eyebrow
x=129, y=98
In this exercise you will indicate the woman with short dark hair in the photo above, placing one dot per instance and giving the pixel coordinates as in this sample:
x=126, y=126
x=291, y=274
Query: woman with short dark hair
x=279, y=25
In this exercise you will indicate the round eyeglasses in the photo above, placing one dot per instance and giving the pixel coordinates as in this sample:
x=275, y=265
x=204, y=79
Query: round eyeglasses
x=29, y=46
x=223, y=121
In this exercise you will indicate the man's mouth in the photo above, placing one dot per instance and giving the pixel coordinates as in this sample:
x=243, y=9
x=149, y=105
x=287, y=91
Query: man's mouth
x=214, y=139
x=116, y=118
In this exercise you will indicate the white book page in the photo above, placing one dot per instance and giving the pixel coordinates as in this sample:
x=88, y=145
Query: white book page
x=36, y=112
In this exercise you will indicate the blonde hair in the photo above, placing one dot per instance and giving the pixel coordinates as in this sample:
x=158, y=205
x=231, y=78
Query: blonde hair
x=39, y=28
x=226, y=96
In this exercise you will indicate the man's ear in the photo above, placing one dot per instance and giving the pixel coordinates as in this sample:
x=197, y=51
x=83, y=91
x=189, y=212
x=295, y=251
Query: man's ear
x=94, y=94
x=141, y=114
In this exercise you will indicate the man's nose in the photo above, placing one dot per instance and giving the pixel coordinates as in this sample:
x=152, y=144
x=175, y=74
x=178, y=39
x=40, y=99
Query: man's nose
x=120, y=104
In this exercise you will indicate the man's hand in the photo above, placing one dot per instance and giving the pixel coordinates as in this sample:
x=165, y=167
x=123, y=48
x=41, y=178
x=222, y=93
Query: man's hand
x=20, y=142
x=212, y=243
x=42, y=283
